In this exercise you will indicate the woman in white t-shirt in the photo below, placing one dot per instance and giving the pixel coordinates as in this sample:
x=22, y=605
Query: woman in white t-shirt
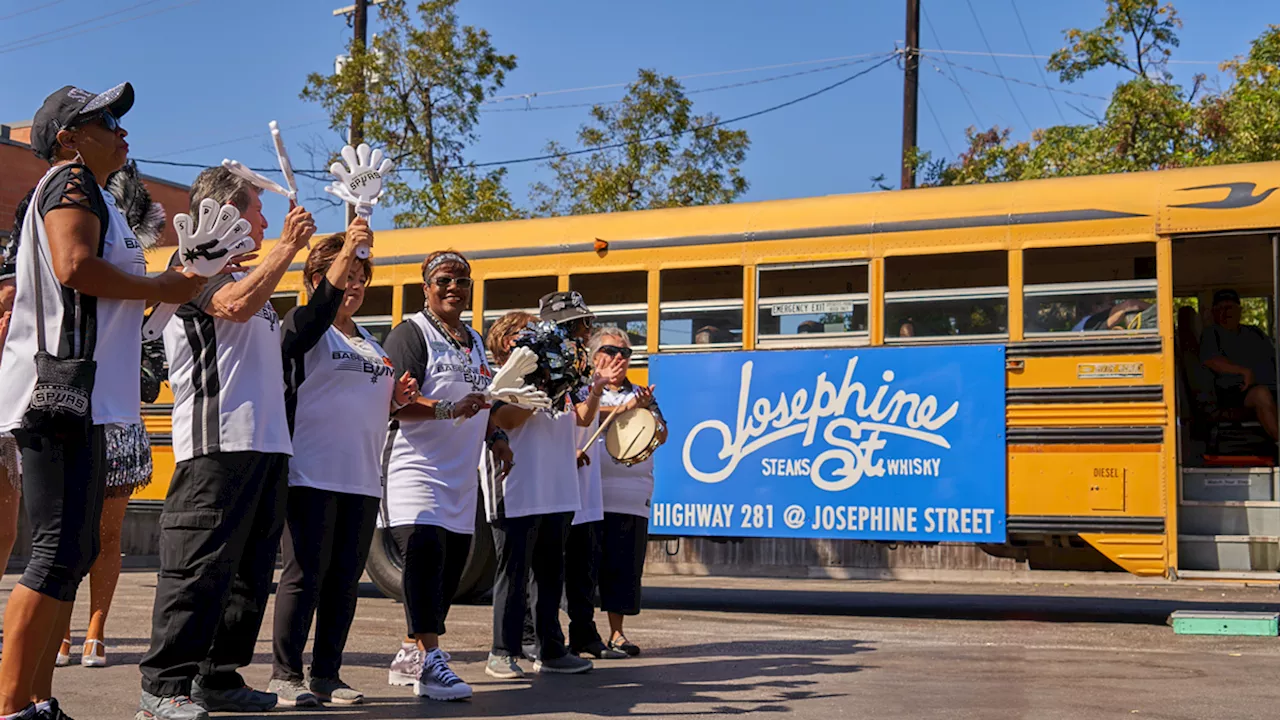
x=339, y=390
x=432, y=467
x=627, y=491
x=530, y=511
x=81, y=291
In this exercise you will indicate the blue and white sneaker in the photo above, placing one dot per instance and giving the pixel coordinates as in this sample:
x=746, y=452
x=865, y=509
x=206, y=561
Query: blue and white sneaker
x=437, y=681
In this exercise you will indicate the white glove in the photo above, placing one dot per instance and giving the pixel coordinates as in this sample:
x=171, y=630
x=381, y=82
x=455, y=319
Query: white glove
x=526, y=397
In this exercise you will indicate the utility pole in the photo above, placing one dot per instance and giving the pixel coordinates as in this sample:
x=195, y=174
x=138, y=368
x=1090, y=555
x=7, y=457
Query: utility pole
x=910, y=88
x=359, y=15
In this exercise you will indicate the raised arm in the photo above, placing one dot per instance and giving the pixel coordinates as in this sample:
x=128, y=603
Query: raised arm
x=238, y=301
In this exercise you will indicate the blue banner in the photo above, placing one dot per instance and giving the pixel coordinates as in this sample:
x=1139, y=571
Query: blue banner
x=866, y=444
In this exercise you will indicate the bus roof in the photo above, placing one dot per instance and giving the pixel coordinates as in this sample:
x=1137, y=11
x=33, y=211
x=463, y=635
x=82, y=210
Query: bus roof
x=1167, y=202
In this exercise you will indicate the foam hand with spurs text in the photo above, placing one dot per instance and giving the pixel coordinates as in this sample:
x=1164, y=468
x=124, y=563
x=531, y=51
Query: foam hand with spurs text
x=205, y=246
x=359, y=183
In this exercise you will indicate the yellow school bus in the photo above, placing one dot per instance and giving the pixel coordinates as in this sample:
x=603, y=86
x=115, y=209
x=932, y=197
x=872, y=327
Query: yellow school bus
x=1097, y=288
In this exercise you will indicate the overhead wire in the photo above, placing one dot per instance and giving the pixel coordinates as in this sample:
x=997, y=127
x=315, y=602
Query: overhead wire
x=1039, y=67
x=61, y=28
x=988, y=53
x=885, y=58
x=925, y=96
x=5, y=49
x=994, y=61
x=41, y=6
x=1020, y=81
x=963, y=92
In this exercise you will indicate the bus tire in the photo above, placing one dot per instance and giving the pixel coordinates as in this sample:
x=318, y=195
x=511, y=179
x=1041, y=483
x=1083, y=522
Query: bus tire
x=386, y=566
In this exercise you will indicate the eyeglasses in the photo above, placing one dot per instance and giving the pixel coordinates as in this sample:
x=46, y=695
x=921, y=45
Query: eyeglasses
x=104, y=117
x=615, y=351
x=444, y=281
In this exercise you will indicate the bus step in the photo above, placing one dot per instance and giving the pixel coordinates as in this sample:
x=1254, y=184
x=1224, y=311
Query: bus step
x=1229, y=552
x=1192, y=622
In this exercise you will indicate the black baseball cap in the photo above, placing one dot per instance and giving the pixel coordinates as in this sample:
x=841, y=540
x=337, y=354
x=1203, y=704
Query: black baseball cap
x=561, y=307
x=1226, y=294
x=66, y=105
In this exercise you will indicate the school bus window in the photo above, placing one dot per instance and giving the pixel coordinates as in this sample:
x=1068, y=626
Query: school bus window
x=812, y=302
x=283, y=302
x=618, y=300
x=503, y=295
x=414, y=298
x=939, y=296
x=375, y=311
x=1096, y=289
x=701, y=308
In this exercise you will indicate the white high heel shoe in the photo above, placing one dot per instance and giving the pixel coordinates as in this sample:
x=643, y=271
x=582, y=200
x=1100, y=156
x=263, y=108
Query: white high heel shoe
x=91, y=659
x=63, y=659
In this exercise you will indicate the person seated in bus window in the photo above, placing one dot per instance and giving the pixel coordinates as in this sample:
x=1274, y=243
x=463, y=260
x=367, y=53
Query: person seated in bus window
x=1243, y=361
x=706, y=335
x=1130, y=314
x=810, y=326
x=907, y=329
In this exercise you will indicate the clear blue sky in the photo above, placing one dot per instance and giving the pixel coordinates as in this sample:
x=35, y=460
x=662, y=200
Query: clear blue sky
x=210, y=71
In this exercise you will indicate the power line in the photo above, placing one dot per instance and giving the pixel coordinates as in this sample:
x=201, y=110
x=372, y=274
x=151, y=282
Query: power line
x=886, y=58
x=10, y=48
x=31, y=9
x=925, y=96
x=242, y=138
x=59, y=29
x=696, y=91
x=1040, y=69
x=1046, y=57
x=953, y=78
x=611, y=86
x=996, y=62
x=1020, y=81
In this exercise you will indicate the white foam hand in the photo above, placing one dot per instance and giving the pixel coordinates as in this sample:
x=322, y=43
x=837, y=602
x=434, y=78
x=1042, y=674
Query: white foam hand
x=205, y=246
x=508, y=383
x=527, y=397
x=360, y=181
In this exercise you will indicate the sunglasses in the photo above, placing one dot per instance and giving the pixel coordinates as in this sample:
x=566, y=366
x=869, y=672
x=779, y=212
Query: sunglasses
x=444, y=281
x=104, y=118
x=615, y=351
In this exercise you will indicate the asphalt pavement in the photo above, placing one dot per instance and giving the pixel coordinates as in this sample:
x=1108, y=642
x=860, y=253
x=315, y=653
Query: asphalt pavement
x=805, y=650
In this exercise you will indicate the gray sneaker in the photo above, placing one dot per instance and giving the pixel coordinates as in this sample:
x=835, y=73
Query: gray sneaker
x=293, y=693
x=243, y=699
x=406, y=667
x=563, y=665
x=174, y=707
x=333, y=690
x=503, y=667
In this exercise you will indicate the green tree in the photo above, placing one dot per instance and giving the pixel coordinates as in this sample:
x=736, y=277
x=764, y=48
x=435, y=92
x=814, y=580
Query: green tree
x=654, y=153
x=427, y=77
x=1150, y=122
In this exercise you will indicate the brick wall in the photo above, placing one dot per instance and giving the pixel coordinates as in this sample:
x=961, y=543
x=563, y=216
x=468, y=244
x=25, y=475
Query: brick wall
x=22, y=170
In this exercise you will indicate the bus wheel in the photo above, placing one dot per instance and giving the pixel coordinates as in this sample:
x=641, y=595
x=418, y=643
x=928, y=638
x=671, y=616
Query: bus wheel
x=386, y=565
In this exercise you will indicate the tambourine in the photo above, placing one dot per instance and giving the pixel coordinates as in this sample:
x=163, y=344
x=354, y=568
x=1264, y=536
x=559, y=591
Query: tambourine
x=632, y=438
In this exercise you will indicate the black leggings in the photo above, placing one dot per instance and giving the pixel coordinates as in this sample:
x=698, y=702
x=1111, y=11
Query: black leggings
x=434, y=559
x=63, y=484
x=326, y=544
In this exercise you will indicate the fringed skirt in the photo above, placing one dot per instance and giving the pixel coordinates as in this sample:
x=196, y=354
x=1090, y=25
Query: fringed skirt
x=128, y=459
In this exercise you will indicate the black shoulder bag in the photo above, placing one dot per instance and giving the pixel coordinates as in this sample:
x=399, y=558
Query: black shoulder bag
x=62, y=399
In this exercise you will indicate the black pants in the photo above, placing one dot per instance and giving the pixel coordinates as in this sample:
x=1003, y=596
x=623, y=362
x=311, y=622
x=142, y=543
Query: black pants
x=581, y=568
x=624, y=541
x=434, y=559
x=534, y=543
x=219, y=537
x=63, y=483
x=325, y=546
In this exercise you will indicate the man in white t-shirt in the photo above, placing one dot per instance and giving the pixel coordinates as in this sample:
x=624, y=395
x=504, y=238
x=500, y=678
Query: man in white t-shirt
x=222, y=519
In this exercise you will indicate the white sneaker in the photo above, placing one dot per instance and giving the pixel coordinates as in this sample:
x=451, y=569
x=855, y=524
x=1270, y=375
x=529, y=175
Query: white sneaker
x=406, y=667
x=437, y=681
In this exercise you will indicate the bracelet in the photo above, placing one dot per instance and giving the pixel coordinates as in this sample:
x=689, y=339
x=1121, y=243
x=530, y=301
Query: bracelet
x=444, y=410
x=497, y=435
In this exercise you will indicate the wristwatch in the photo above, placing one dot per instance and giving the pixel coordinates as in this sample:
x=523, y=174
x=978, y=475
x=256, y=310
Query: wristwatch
x=498, y=434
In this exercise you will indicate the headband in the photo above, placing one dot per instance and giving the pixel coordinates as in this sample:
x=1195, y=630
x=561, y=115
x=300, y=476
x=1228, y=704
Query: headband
x=443, y=258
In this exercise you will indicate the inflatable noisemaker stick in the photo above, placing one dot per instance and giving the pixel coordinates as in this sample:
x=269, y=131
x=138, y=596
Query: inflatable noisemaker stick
x=203, y=249
x=244, y=173
x=359, y=182
x=286, y=167
x=508, y=383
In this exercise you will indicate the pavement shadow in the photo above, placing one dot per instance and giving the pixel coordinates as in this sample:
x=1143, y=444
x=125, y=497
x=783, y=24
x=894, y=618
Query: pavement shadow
x=706, y=679
x=954, y=606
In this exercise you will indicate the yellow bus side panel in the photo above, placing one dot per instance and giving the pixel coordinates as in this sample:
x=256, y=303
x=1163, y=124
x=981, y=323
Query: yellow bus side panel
x=161, y=473
x=1142, y=555
x=1051, y=372
x=1086, y=414
x=1082, y=480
